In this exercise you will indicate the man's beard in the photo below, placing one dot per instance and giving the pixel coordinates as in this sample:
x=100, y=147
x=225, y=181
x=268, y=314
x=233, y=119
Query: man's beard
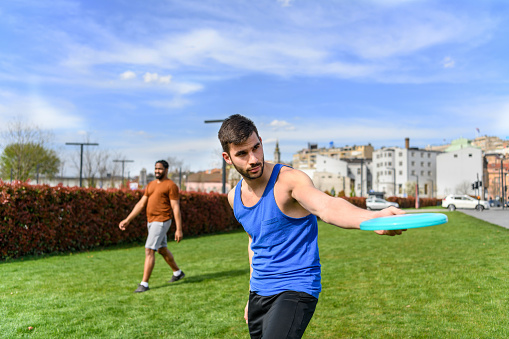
x=246, y=174
x=159, y=176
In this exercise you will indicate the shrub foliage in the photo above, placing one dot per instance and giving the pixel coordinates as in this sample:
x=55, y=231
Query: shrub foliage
x=40, y=219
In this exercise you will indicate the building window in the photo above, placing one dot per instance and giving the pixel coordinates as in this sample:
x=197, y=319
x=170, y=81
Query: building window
x=390, y=163
x=400, y=154
x=455, y=155
x=429, y=155
x=401, y=163
x=422, y=155
x=413, y=163
x=470, y=155
x=422, y=173
x=413, y=153
x=400, y=172
x=358, y=171
x=422, y=163
x=413, y=172
x=429, y=173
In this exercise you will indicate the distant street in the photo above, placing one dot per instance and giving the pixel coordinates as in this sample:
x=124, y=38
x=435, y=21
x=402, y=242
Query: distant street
x=495, y=215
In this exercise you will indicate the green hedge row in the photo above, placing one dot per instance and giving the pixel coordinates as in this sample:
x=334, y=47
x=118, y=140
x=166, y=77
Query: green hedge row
x=40, y=219
x=408, y=202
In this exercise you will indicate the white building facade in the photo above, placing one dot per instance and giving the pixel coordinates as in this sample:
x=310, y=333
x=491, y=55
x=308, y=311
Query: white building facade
x=457, y=170
x=395, y=169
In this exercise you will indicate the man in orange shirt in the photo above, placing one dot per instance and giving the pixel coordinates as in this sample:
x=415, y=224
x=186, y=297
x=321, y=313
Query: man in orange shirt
x=160, y=198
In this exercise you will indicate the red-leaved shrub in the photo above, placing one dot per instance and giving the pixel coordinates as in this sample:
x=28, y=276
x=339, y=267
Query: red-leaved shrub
x=42, y=219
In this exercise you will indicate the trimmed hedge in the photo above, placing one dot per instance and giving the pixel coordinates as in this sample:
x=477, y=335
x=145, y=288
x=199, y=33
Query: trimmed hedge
x=408, y=202
x=40, y=219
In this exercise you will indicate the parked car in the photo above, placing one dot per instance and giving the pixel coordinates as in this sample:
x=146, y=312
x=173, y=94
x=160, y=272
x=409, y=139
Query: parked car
x=454, y=201
x=379, y=204
x=494, y=203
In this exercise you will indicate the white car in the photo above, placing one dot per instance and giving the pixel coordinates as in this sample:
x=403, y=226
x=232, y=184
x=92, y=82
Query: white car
x=453, y=201
x=379, y=204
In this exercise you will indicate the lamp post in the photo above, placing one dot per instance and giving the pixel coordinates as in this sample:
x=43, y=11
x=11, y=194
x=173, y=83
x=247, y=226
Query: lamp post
x=224, y=162
x=417, y=192
x=123, y=164
x=394, y=177
x=81, y=157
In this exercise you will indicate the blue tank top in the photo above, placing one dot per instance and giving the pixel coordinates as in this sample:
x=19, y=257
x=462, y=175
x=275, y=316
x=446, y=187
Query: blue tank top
x=285, y=249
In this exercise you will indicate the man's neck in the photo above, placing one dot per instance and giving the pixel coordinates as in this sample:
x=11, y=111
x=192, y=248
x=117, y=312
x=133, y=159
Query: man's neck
x=161, y=180
x=261, y=181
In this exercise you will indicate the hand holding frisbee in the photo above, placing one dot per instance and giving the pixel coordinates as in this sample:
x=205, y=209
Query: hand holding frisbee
x=403, y=221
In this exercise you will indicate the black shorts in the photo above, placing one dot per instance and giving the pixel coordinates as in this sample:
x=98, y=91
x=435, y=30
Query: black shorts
x=284, y=315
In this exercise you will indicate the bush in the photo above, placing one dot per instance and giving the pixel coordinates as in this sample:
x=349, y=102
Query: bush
x=40, y=219
x=409, y=202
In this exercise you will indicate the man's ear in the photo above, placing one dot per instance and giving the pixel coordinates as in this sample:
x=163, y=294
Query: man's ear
x=226, y=158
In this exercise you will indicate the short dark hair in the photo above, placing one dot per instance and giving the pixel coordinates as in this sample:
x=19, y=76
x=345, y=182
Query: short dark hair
x=235, y=129
x=163, y=162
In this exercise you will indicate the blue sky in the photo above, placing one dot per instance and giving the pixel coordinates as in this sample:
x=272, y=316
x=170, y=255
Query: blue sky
x=140, y=77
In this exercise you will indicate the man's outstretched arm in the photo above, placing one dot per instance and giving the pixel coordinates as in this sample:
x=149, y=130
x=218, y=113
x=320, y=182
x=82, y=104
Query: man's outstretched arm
x=175, y=206
x=335, y=211
x=140, y=205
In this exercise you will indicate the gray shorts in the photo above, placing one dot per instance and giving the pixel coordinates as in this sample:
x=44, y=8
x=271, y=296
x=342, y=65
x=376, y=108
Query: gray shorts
x=157, y=234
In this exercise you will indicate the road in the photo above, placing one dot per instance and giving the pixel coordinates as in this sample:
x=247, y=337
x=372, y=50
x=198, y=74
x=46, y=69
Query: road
x=495, y=215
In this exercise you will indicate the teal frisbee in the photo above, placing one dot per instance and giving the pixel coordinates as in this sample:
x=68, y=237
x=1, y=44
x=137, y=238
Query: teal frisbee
x=404, y=221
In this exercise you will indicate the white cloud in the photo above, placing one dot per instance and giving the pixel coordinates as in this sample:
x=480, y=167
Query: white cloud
x=128, y=75
x=285, y=3
x=150, y=77
x=176, y=102
x=154, y=77
x=281, y=124
x=448, y=62
x=40, y=112
x=165, y=79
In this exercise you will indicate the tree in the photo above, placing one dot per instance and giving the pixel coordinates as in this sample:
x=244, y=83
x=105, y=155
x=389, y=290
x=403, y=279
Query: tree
x=463, y=187
x=27, y=153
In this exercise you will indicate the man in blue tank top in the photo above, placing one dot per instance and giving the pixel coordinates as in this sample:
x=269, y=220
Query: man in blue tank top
x=277, y=206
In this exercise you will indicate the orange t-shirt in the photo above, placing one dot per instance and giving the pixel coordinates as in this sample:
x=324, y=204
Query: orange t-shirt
x=159, y=196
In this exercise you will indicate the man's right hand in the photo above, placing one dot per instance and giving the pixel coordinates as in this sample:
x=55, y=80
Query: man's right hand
x=245, y=311
x=123, y=224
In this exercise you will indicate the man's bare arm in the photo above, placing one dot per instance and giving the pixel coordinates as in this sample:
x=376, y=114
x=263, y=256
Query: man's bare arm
x=177, y=216
x=335, y=211
x=250, y=254
x=140, y=205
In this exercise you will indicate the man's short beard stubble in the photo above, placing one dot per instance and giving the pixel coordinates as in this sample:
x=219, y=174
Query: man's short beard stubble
x=246, y=174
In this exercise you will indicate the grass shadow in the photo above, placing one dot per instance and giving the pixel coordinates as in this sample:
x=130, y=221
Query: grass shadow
x=193, y=279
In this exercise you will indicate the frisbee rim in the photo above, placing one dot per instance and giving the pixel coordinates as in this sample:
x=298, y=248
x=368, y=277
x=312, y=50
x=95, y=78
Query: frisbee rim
x=404, y=221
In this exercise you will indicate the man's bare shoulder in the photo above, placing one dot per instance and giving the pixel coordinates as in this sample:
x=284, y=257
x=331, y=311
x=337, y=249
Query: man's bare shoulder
x=231, y=196
x=291, y=173
x=291, y=176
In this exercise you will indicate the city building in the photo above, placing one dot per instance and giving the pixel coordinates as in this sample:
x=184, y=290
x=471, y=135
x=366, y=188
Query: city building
x=487, y=143
x=458, y=167
x=330, y=175
x=396, y=171
x=277, y=153
x=306, y=158
x=206, y=181
x=497, y=164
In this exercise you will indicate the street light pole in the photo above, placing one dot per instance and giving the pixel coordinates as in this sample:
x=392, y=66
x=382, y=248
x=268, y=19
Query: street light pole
x=81, y=157
x=224, y=162
x=123, y=163
x=417, y=192
x=394, y=176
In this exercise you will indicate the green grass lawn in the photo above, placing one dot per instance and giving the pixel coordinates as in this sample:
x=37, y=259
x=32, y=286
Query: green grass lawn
x=448, y=281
